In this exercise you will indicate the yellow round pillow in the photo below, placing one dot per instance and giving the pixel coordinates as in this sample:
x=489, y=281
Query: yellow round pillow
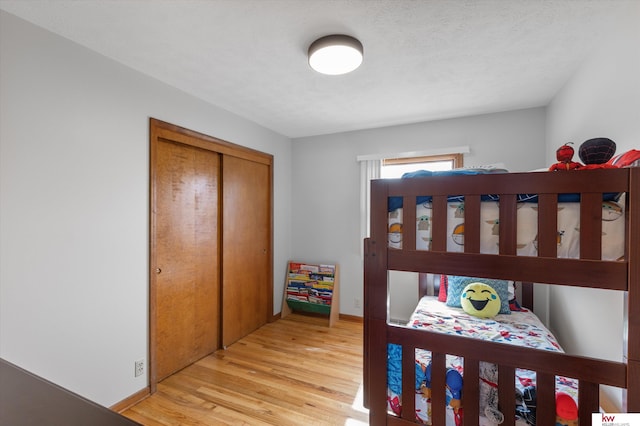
x=480, y=300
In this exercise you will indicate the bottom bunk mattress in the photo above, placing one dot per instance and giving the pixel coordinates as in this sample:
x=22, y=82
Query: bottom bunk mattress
x=520, y=328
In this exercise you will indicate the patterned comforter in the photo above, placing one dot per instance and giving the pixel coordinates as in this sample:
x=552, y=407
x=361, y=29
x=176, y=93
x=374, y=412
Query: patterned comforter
x=520, y=329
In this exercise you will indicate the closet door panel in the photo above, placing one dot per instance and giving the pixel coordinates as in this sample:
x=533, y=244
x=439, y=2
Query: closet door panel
x=187, y=260
x=246, y=258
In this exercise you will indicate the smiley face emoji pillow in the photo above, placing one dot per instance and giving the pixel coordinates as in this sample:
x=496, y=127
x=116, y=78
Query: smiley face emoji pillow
x=480, y=300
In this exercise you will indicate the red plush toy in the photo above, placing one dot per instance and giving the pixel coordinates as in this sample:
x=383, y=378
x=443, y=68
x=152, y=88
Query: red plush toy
x=564, y=155
x=566, y=410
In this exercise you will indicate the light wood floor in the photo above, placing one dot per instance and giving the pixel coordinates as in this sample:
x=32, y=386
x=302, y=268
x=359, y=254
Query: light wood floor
x=295, y=371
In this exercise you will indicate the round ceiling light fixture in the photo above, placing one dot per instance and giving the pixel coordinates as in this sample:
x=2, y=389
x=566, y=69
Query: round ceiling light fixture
x=335, y=54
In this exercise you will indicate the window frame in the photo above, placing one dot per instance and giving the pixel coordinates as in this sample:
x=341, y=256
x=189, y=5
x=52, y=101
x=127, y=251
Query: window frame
x=456, y=159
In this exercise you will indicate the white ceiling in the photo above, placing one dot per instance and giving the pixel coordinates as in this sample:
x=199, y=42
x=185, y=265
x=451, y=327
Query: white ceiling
x=424, y=59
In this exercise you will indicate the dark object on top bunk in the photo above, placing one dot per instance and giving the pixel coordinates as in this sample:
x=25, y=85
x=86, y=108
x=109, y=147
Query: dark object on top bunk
x=596, y=152
x=588, y=270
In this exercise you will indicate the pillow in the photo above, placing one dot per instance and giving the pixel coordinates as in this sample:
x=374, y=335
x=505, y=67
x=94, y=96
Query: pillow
x=514, y=305
x=456, y=285
x=480, y=300
x=442, y=291
x=597, y=151
x=629, y=158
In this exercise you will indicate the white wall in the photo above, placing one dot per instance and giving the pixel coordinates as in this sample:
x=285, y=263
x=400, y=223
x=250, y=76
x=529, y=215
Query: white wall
x=326, y=200
x=74, y=206
x=601, y=99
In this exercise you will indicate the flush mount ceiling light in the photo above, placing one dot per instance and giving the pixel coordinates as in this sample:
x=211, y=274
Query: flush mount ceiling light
x=335, y=54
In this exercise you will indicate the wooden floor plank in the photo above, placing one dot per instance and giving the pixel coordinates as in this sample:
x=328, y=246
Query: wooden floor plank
x=295, y=371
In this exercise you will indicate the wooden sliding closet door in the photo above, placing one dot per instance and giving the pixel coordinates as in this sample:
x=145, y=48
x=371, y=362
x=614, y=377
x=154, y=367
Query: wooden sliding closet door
x=247, y=293
x=211, y=279
x=187, y=284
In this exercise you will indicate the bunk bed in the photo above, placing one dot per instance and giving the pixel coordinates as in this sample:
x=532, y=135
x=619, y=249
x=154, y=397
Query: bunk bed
x=588, y=268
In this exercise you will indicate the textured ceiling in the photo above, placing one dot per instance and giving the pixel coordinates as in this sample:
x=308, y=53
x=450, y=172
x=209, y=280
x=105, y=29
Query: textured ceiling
x=424, y=60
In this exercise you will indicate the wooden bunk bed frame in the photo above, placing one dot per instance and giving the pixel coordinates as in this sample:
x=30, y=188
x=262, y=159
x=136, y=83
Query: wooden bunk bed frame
x=588, y=271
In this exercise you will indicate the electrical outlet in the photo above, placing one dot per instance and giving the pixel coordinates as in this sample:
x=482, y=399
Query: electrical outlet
x=139, y=368
x=356, y=303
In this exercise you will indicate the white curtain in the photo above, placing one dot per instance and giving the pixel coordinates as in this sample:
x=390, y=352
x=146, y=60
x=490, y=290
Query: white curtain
x=369, y=169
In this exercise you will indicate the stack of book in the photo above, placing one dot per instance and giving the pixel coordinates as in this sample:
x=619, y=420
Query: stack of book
x=310, y=283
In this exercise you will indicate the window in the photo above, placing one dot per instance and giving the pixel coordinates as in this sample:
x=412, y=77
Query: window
x=391, y=168
x=376, y=166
